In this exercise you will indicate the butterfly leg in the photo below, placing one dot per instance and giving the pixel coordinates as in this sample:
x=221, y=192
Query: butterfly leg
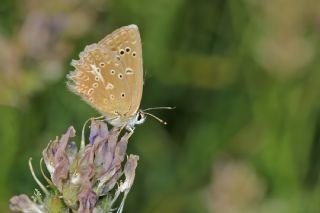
x=112, y=120
x=82, y=143
x=130, y=128
x=102, y=117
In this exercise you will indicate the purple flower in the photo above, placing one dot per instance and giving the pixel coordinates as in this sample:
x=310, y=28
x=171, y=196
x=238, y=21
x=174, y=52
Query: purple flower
x=86, y=176
x=56, y=158
x=129, y=172
x=87, y=198
x=24, y=204
x=98, y=129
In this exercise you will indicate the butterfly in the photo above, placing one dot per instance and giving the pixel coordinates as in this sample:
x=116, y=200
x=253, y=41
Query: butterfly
x=109, y=76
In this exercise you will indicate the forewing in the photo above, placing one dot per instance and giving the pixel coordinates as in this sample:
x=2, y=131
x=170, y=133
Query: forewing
x=125, y=43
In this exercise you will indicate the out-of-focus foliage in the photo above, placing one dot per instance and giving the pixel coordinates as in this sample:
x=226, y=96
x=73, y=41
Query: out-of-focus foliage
x=244, y=76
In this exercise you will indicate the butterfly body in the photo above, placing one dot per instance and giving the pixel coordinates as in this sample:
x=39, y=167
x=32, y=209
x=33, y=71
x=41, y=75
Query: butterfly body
x=109, y=76
x=128, y=122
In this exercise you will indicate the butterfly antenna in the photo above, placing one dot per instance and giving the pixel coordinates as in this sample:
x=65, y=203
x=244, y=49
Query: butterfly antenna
x=155, y=117
x=152, y=108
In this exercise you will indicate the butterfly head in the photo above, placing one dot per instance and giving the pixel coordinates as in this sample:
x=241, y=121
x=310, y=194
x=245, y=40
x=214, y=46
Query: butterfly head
x=139, y=118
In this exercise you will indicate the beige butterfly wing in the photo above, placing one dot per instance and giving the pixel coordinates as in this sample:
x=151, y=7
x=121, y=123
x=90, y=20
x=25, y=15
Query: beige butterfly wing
x=125, y=42
x=100, y=80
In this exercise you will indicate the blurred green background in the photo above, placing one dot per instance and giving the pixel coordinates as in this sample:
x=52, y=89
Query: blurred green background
x=244, y=76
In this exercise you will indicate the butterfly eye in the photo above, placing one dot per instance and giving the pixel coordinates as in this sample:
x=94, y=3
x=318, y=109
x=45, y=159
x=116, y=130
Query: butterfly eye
x=122, y=95
x=128, y=49
x=139, y=117
x=102, y=64
x=120, y=76
x=112, y=72
x=134, y=54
